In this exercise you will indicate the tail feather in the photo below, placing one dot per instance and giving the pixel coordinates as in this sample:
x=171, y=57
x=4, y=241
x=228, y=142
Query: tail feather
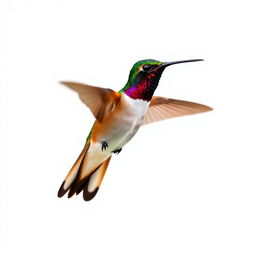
x=75, y=182
x=70, y=178
x=78, y=183
x=92, y=184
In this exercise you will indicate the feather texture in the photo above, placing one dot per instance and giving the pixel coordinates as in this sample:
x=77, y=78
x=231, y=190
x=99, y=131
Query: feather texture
x=162, y=108
x=101, y=101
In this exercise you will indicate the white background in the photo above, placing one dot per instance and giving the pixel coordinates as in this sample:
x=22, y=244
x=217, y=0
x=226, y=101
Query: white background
x=185, y=186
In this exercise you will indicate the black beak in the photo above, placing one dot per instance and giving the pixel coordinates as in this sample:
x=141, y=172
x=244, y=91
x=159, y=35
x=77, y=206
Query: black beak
x=166, y=64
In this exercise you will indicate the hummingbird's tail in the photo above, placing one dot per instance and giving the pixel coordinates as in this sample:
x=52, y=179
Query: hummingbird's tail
x=93, y=182
x=75, y=182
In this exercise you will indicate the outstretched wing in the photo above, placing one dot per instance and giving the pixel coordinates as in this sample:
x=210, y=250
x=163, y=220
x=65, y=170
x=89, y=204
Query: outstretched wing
x=161, y=108
x=101, y=101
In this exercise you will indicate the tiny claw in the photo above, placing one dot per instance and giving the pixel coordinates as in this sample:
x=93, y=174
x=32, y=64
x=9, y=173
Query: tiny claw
x=117, y=151
x=104, y=145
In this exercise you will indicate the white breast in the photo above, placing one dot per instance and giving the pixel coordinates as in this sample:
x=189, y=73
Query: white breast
x=136, y=109
x=129, y=121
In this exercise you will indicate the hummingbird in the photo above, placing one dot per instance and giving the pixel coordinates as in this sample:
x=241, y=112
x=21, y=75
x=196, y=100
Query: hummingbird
x=118, y=116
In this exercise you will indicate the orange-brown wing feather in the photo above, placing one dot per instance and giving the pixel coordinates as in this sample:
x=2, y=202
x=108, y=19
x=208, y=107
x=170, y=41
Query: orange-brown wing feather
x=161, y=108
x=101, y=101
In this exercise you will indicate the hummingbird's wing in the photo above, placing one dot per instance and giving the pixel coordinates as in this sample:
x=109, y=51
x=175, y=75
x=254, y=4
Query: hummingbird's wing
x=161, y=108
x=101, y=101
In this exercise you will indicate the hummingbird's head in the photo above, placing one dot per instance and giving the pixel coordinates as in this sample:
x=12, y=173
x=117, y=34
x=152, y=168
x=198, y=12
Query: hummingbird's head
x=144, y=77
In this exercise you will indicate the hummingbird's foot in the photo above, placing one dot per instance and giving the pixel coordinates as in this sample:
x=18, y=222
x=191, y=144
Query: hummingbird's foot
x=117, y=151
x=104, y=145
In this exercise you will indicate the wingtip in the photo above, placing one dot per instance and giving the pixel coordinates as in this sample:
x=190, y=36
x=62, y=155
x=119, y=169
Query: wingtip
x=209, y=108
x=63, y=82
x=204, y=108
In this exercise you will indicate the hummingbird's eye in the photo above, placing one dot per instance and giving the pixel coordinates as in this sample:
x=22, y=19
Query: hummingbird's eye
x=146, y=67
